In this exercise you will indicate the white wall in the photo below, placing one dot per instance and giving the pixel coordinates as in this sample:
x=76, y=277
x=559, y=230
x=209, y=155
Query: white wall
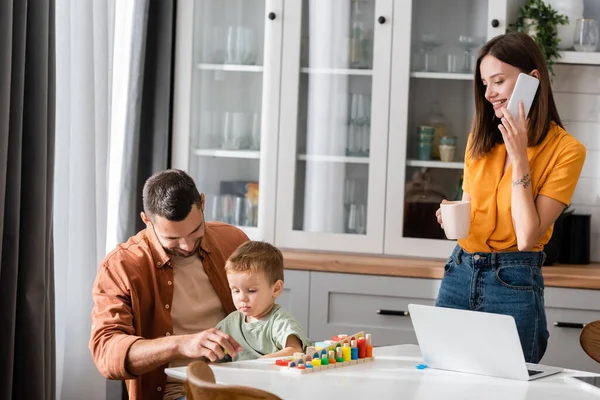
x=577, y=94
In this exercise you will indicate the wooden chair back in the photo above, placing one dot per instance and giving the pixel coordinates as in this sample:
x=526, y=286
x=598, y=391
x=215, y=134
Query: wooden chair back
x=201, y=385
x=590, y=340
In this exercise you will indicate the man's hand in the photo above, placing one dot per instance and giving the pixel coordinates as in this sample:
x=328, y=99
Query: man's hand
x=210, y=344
x=147, y=355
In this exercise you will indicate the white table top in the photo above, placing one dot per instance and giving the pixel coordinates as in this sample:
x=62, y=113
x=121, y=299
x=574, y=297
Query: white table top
x=391, y=376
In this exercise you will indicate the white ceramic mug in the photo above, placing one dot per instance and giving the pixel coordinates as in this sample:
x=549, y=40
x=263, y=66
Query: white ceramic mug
x=456, y=218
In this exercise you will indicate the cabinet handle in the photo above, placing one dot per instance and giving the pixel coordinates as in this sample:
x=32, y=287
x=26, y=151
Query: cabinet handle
x=272, y=16
x=381, y=20
x=495, y=23
x=575, y=325
x=393, y=312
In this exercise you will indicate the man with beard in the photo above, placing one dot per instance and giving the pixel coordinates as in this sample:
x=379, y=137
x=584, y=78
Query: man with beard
x=158, y=296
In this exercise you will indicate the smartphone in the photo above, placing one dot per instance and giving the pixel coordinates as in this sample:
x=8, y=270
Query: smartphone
x=524, y=91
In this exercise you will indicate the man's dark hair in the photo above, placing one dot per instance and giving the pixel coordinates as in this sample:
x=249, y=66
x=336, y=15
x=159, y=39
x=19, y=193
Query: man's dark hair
x=170, y=194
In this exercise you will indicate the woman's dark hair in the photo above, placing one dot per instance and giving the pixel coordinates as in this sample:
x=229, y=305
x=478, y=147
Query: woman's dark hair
x=170, y=194
x=519, y=50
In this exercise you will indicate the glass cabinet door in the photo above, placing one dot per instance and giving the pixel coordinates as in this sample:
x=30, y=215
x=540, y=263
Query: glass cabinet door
x=333, y=128
x=433, y=68
x=226, y=84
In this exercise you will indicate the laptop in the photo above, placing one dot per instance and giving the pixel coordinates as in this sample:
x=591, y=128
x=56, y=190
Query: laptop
x=473, y=342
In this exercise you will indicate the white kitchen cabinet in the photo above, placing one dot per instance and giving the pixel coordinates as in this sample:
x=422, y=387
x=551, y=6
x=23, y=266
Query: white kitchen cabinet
x=333, y=125
x=294, y=297
x=226, y=102
x=567, y=310
x=298, y=118
x=347, y=303
x=432, y=85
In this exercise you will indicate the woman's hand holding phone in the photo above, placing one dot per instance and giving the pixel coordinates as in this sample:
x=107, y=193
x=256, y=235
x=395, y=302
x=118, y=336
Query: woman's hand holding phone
x=515, y=134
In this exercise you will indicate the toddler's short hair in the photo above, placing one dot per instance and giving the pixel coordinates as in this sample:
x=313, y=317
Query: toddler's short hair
x=253, y=256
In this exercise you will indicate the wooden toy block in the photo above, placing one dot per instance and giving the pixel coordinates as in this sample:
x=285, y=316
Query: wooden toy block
x=319, y=357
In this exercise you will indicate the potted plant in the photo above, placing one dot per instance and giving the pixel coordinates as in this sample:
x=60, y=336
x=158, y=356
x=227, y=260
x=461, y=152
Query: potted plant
x=539, y=20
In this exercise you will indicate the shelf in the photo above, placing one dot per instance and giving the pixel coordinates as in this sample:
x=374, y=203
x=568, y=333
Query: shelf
x=442, y=75
x=579, y=57
x=338, y=159
x=231, y=67
x=250, y=154
x=337, y=71
x=435, y=164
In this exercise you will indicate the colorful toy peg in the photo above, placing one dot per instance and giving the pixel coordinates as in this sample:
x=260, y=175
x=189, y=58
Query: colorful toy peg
x=362, y=348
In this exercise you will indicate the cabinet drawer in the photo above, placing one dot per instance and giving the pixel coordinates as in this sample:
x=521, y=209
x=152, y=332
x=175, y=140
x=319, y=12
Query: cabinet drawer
x=570, y=306
x=564, y=349
x=344, y=303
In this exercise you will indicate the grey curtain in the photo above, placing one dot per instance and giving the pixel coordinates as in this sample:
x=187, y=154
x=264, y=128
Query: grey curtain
x=147, y=147
x=27, y=361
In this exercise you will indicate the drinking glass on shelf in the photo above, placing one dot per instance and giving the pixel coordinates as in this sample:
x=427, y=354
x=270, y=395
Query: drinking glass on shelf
x=354, y=140
x=586, y=35
x=250, y=51
x=234, y=130
x=469, y=43
x=365, y=140
x=357, y=219
x=427, y=58
x=254, y=136
x=453, y=63
x=250, y=214
x=357, y=51
x=241, y=46
x=360, y=112
x=239, y=210
x=226, y=208
x=350, y=191
x=213, y=207
x=235, y=45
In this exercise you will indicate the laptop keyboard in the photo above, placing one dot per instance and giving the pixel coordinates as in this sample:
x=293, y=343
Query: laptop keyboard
x=532, y=372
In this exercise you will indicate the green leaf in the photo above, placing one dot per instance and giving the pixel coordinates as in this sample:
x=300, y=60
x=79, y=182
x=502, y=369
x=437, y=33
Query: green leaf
x=547, y=20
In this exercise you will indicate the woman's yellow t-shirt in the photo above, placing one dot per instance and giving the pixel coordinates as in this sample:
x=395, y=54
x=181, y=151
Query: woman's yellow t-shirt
x=555, y=167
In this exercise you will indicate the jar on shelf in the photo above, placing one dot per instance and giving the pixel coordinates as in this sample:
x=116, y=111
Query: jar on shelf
x=447, y=148
x=425, y=145
x=440, y=124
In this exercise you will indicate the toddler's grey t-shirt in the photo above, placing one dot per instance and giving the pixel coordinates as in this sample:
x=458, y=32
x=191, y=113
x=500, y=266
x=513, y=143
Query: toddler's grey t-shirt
x=266, y=336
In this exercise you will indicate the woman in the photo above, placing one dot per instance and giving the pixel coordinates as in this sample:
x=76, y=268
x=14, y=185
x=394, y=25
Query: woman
x=519, y=176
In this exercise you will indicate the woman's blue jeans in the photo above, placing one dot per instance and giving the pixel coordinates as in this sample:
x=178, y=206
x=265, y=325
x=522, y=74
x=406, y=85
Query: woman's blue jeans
x=503, y=283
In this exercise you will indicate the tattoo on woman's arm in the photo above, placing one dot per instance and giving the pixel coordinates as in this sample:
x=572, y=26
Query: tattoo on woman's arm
x=525, y=181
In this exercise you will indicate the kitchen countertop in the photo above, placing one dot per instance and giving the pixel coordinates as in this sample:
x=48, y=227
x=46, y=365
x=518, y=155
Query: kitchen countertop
x=558, y=275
